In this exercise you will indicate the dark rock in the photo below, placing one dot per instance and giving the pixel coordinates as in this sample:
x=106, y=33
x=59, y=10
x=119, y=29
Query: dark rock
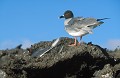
x=2, y=74
x=106, y=72
x=84, y=61
x=19, y=46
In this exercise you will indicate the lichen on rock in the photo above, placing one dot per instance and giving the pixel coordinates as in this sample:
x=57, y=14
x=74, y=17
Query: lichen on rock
x=62, y=61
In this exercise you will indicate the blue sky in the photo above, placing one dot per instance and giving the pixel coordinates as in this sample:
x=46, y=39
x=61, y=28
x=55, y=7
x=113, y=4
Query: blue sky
x=30, y=21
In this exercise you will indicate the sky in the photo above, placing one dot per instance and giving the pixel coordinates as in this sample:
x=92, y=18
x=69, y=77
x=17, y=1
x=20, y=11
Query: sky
x=31, y=21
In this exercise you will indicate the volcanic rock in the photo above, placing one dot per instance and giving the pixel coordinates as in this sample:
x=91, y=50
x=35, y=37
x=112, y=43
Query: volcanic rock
x=62, y=61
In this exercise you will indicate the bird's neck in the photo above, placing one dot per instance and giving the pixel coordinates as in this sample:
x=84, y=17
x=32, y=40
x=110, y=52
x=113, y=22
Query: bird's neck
x=66, y=21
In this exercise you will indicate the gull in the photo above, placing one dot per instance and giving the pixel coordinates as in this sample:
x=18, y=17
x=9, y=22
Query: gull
x=79, y=26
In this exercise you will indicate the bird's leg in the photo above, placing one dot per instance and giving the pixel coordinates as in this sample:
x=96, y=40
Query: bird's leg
x=80, y=40
x=75, y=42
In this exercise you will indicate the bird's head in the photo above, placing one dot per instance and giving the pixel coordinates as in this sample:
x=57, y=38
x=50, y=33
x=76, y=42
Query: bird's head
x=67, y=14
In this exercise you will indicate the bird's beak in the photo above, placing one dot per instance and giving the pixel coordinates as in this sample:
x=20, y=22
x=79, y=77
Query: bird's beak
x=62, y=16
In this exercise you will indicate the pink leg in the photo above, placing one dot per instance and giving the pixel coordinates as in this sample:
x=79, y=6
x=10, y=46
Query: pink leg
x=75, y=42
x=80, y=40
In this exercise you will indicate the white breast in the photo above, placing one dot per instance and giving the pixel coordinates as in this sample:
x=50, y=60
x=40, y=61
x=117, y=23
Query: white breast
x=78, y=34
x=66, y=21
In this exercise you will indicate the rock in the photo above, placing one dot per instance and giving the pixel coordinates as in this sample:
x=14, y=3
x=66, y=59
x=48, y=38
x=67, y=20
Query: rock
x=106, y=72
x=62, y=61
x=117, y=70
x=19, y=46
x=2, y=74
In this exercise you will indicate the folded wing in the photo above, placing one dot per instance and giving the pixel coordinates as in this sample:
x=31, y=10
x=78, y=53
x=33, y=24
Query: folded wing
x=85, y=24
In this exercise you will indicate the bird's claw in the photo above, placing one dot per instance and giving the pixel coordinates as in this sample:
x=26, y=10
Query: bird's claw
x=72, y=45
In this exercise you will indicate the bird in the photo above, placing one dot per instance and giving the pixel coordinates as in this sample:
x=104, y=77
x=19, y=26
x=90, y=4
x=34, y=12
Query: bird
x=79, y=26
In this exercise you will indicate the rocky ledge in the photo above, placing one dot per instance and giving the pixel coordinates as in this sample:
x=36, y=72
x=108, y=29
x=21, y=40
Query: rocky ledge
x=60, y=61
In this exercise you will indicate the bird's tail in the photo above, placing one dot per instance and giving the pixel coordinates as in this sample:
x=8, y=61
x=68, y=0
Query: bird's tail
x=102, y=19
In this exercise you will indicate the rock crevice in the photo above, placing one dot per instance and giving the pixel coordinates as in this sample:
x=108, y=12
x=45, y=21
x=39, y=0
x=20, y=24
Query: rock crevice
x=62, y=61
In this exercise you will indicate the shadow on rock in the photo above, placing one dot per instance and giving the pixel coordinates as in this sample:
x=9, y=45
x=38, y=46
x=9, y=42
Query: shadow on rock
x=61, y=61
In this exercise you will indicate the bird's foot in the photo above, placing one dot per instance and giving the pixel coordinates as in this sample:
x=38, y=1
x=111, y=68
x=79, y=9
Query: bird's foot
x=72, y=44
x=79, y=44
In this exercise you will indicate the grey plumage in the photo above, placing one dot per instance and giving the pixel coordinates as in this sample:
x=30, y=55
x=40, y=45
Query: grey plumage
x=79, y=23
x=79, y=26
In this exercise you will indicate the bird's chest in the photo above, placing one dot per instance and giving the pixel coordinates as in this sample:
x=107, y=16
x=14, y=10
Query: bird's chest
x=66, y=21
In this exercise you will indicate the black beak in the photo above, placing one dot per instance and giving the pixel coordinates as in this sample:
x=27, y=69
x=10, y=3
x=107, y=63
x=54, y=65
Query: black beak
x=62, y=16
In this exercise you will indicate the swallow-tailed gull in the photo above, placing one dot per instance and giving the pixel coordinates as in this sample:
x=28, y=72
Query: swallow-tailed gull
x=79, y=26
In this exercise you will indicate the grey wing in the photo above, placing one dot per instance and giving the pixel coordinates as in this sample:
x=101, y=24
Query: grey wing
x=90, y=22
x=75, y=22
x=84, y=24
x=80, y=22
